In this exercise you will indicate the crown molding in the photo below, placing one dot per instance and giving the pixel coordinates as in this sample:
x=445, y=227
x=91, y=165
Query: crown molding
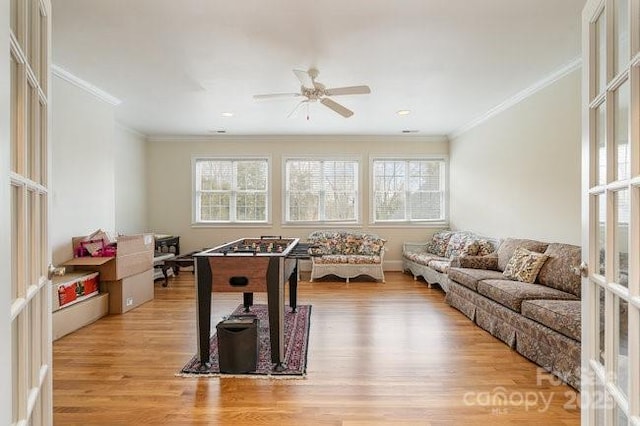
x=519, y=97
x=85, y=85
x=297, y=138
x=129, y=130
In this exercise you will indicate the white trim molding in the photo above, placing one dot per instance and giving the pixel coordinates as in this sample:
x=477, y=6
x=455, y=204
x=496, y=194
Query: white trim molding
x=518, y=97
x=85, y=85
x=129, y=130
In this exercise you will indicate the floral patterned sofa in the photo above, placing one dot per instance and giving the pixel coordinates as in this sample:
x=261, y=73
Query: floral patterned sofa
x=346, y=254
x=432, y=259
x=527, y=294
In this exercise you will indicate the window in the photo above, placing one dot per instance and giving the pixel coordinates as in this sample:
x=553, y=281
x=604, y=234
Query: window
x=321, y=190
x=409, y=190
x=231, y=190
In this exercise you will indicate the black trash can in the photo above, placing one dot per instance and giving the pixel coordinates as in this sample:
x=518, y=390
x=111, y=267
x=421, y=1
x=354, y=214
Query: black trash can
x=238, y=344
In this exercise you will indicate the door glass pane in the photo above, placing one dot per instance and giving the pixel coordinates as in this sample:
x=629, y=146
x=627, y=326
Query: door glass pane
x=15, y=287
x=600, y=224
x=35, y=241
x=622, y=238
x=623, y=347
x=14, y=112
x=600, y=54
x=622, y=35
x=42, y=130
x=35, y=321
x=34, y=38
x=599, y=401
x=44, y=241
x=600, y=325
x=15, y=368
x=25, y=43
x=621, y=418
x=14, y=16
x=29, y=235
x=621, y=130
x=44, y=52
x=601, y=149
x=30, y=152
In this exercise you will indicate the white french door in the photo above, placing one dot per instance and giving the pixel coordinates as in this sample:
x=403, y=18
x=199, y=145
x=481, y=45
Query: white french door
x=611, y=207
x=28, y=195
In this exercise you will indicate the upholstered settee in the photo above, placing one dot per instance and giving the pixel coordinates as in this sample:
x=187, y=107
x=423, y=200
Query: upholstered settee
x=432, y=259
x=346, y=254
x=527, y=294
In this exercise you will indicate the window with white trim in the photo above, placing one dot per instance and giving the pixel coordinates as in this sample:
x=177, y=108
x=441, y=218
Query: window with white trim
x=231, y=190
x=409, y=190
x=321, y=190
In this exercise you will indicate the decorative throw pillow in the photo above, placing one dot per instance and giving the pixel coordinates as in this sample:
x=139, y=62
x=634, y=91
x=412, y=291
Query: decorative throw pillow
x=439, y=242
x=524, y=265
x=470, y=248
x=485, y=247
x=457, y=243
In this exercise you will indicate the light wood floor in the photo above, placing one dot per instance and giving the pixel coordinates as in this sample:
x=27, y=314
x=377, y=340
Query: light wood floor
x=379, y=354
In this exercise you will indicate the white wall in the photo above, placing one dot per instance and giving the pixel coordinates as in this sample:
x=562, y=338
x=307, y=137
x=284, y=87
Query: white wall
x=82, y=166
x=518, y=174
x=130, y=181
x=169, y=182
x=98, y=169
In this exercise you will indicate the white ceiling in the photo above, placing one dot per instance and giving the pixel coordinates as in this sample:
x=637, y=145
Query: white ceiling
x=177, y=65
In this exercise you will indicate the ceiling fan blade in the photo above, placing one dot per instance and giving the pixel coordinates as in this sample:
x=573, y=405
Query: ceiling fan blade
x=345, y=112
x=351, y=90
x=277, y=95
x=305, y=78
x=297, y=107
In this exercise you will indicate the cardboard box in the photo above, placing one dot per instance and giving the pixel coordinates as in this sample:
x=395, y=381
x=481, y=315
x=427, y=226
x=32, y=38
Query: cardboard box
x=76, y=316
x=134, y=255
x=72, y=288
x=129, y=293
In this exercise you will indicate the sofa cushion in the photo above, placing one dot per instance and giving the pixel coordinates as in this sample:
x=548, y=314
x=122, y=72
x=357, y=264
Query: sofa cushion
x=512, y=293
x=346, y=242
x=479, y=262
x=486, y=246
x=557, y=271
x=344, y=259
x=332, y=258
x=421, y=257
x=459, y=243
x=438, y=243
x=469, y=277
x=562, y=316
x=440, y=265
x=369, y=245
x=361, y=259
x=509, y=246
x=524, y=265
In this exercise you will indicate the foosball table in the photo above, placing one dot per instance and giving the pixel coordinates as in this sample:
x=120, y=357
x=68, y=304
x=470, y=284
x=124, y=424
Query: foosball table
x=249, y=265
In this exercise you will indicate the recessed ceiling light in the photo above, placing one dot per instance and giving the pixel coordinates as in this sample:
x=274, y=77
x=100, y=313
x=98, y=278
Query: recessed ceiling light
x=227, y=114
x=403, y=112
x=410, y=131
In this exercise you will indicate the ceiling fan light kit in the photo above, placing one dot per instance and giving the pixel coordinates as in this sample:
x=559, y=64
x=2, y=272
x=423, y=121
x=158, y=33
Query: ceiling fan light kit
x=314, y=91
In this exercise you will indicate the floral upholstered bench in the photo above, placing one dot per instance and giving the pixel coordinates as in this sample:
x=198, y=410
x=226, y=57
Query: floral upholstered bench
x=346, y=254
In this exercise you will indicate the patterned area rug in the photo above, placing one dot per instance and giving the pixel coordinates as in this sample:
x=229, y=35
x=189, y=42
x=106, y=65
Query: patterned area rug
x=296, y=342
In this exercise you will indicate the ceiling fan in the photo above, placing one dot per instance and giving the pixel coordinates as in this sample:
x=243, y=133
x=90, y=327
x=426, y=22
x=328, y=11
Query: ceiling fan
x=314, y=91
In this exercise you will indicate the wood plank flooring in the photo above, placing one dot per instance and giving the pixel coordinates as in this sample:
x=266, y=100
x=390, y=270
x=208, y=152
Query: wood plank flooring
x=379, y=354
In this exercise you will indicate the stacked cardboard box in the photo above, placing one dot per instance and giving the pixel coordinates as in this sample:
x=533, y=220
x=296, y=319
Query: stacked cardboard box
x=76, y=302
x=128, y=276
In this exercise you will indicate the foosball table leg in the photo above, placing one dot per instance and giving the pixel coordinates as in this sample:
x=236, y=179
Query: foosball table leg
x=247, y=301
